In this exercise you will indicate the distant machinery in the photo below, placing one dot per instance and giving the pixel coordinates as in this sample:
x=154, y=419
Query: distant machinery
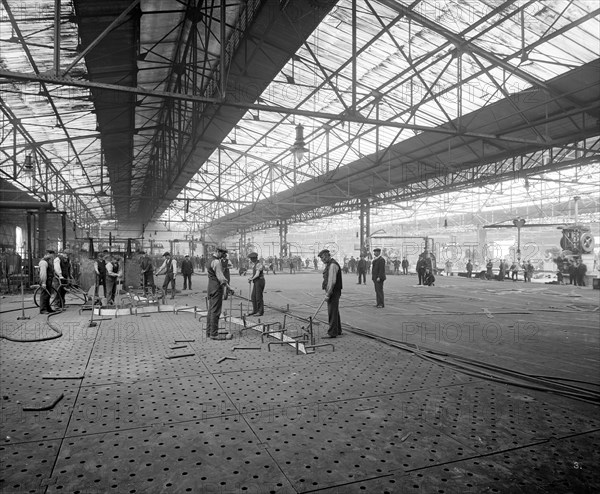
x=576, y=240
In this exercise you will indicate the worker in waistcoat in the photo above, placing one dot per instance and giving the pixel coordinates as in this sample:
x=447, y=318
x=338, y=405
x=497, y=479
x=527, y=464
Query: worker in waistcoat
x=332, y=284
x=46, y=279
x=258, y=279
x=169, y=266
x=100, y=271
x=217, y=283
x=113, y=274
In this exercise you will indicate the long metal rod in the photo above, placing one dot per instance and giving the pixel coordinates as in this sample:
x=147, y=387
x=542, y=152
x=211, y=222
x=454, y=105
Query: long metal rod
x=223, y=81
x=354, y=56
x=57, y=37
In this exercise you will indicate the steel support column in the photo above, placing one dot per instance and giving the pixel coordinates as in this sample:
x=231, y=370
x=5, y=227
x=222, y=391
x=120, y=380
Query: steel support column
x=283, y=245
x=63, y=218
x=365, y=226
x=242, y=244
x=29, y=249
x=42, y=231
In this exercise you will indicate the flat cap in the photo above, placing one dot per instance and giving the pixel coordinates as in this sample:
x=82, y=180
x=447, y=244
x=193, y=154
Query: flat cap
x=253, y=254
x=376, y=249
x=324, y=251
x=222, y=249
x=166, y=254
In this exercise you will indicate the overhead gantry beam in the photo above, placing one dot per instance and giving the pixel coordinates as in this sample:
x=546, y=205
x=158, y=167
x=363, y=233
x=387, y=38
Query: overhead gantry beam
x=433, y=181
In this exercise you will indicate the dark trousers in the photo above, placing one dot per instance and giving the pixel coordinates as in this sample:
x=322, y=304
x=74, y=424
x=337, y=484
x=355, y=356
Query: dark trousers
x=258, y=305
x=421, y=274
x=363, y=275
x=169, y=278
x=379, y=292
x=45, y=298
x=187, y=281
x=333, y=312
x=149, y=282
x=215, y=304
x=405, y=270
x=111, y=287
x=100, y=282
x=62, y=291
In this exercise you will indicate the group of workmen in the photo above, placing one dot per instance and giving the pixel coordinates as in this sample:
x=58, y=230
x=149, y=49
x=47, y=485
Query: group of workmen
x=108, y=269
x=170, y=268
x=218, y=285
x=219, y=289
x=54, y=271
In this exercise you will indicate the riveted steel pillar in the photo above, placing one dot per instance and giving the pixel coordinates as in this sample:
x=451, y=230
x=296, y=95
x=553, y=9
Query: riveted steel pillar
x=242, y=244
x=365, y=226
x=63, y=219
x=42, y=231
x=29, y=248
x=283, y=245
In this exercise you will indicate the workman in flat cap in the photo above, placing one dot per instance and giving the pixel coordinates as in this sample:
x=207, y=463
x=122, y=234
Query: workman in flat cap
x=257, y=278
x=332, y=284
x=169, y=266
x=217, y=283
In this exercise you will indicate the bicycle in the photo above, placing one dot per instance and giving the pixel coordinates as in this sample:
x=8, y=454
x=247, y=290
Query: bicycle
x=73, y=291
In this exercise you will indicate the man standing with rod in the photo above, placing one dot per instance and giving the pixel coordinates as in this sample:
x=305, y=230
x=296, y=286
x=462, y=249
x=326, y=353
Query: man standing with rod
x=332, y=284
x=169, y=266
x=216, y=284
x=378, y=276
x=258, y=278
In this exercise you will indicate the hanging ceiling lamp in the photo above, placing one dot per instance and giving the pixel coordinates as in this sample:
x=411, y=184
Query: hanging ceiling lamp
x=28, y=167
x=299, y=148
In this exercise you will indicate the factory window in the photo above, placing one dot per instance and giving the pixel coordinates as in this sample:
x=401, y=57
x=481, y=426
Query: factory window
x=20, y=245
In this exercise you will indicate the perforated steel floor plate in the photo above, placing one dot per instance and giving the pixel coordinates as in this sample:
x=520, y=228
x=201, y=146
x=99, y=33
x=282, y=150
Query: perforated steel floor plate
x=566, y=465
x=349, y=441
x=208, y=456
x=21, y=425
x=390, y=373
x=143, y=403
x=26, y=467
x=363, y=418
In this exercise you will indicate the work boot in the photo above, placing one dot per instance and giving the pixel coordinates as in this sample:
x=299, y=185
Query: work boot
x=221, y=337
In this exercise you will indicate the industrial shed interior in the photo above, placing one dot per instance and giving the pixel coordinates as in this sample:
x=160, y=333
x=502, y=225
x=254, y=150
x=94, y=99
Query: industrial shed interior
x=454, y=135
